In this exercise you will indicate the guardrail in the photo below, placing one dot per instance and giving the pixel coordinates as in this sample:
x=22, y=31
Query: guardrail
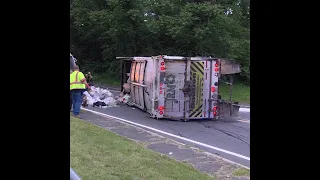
x=74, y=175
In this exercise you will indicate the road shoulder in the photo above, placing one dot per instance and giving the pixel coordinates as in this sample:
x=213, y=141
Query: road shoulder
x=201, y=160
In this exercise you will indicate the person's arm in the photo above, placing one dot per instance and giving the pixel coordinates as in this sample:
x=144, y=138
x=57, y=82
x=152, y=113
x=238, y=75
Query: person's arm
x=83, y=80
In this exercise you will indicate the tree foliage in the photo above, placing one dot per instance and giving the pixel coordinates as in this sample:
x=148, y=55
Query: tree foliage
x=100, y=30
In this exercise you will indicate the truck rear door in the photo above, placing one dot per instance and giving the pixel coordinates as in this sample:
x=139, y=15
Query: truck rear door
x=170, y=82
x=175, y=68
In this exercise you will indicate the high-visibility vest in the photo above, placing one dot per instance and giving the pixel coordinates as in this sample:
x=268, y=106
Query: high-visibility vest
x=75, y=80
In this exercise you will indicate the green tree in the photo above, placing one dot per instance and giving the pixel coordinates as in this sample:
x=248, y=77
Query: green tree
x=101, y=30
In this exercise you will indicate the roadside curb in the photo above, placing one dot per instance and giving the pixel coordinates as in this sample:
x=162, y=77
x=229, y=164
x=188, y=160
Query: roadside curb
x=243, y=106
x=110, y=88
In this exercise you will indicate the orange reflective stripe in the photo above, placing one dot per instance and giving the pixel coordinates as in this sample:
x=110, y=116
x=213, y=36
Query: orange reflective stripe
x=76, y=83
x=77, y=76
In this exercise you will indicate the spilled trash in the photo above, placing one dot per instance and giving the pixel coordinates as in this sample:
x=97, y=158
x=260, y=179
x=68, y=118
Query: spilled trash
x=102, y=98
x=124, y=99
x=99, y=97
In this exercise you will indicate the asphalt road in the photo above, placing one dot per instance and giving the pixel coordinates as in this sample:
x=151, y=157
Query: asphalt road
x=231, y=136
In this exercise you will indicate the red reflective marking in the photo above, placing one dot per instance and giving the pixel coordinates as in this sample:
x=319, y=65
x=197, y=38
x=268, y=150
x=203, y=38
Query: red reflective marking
x=213, y=89
x=216, y=69
x=161, y=108
x=216, y=64
x=161, y=112
x=162, y=68
x=162, y=63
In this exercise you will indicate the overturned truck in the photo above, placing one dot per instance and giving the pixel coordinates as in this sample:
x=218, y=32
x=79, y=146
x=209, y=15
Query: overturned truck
x=178, y=88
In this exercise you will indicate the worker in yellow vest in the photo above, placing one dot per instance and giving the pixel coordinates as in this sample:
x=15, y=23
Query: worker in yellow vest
x=70, y=94
x=78, y=85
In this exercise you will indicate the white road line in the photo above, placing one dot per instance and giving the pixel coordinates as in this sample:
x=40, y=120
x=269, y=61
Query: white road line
x=245, y=121
x=244, y=109
x=169, y=134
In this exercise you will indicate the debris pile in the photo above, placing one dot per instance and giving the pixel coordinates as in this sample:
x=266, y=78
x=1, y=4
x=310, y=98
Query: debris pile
x=124, y=99
x=99, y=97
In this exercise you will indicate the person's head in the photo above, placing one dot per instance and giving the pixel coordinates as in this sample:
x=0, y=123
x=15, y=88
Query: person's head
x=76, y=68
x=89, y=73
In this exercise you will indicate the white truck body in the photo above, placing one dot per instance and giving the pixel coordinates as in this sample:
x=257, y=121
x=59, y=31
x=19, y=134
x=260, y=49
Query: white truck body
x=174, y=87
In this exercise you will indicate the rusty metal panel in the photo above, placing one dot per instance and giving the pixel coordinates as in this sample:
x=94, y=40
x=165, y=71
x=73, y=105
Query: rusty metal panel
x=141, y=81
x=229, y=67
x=133, y=72
x=226, y=110
x=136, y=80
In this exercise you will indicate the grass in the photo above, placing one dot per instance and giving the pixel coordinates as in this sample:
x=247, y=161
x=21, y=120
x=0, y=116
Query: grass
x=96, y=154
x=241, y=172
x=240, y=92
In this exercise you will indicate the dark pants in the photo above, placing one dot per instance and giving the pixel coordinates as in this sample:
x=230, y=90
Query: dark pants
x=76, y=95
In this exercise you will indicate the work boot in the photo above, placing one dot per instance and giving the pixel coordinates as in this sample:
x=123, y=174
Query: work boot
x=77, y=116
